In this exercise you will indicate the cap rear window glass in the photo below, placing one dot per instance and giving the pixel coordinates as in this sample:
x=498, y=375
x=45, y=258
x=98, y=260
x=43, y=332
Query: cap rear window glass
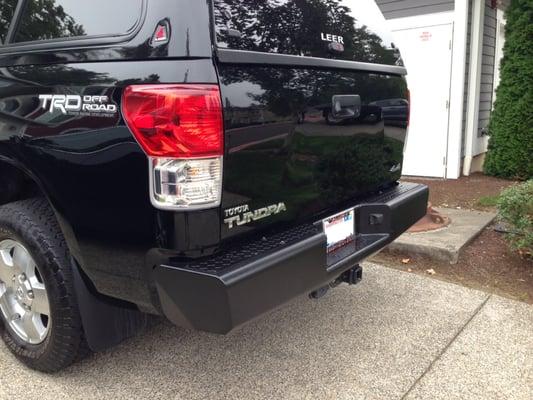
x=7, y=9
x=353, y=30
x=55, y=19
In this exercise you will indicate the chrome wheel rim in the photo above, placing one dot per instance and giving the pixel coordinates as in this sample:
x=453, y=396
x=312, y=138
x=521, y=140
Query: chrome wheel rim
x=23, y=298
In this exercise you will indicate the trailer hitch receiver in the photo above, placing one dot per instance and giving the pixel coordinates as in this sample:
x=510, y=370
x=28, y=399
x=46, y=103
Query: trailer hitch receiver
x=353, y=276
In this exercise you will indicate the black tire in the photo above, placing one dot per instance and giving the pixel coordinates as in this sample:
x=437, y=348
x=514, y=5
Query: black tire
x=33, y=224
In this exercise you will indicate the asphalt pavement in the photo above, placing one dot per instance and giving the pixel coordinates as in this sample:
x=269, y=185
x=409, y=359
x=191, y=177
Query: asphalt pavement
x=394, y=336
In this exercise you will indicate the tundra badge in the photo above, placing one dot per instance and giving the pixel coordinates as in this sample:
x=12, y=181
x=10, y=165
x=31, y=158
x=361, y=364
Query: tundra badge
x=242, y=215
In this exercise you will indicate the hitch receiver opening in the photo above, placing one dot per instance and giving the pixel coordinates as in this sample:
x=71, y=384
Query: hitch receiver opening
x=352, y=277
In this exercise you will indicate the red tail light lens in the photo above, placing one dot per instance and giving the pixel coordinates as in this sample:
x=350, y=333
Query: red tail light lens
x=175, y=121
x=180, y=128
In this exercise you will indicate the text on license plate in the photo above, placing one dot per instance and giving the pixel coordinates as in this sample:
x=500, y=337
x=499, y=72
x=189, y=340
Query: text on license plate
x=339, y=229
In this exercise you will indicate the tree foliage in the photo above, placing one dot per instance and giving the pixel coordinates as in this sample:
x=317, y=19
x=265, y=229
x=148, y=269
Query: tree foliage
x=295, y=27
x=42, y=19
x=7, y=8
x=511, y=127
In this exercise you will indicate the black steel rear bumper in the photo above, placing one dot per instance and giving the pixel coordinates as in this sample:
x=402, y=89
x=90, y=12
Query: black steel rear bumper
x=226, y=290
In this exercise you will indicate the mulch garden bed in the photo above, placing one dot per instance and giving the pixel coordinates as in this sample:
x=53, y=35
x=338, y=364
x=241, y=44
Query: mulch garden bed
x=487, y=264
x=464, y=192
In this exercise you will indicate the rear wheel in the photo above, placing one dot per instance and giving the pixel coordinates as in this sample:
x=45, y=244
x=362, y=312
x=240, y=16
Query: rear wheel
x=38, y=307
x=23, y=297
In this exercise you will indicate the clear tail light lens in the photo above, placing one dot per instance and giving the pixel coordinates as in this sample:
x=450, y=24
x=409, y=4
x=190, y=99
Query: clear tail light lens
x=180, y=128
x=191, y=184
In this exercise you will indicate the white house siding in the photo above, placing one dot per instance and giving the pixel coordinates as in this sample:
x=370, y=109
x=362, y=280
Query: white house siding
x=487, y=66
x=487, y=70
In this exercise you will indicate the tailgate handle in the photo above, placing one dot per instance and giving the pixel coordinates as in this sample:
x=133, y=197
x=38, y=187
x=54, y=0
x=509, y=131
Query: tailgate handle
x=346, y=106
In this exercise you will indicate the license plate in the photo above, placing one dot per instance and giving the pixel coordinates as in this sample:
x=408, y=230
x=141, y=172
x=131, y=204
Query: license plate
x=340, y=230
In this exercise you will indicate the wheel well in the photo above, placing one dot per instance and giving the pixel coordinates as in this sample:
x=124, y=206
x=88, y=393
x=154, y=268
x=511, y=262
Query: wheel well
x=106, y=321
x=16, y=185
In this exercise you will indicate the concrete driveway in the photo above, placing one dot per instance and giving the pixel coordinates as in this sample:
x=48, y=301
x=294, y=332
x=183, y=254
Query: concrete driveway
x=396, y=335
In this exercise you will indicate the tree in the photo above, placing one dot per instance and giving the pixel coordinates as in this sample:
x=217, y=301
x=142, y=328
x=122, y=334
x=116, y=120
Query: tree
x=510, y=151
x=43, y=19
x=7, y=8
x=295, y=27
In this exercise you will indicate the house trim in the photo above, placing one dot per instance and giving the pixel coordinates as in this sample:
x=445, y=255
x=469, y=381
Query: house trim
x=455, y=126
x=414, y=22
x=474, y=83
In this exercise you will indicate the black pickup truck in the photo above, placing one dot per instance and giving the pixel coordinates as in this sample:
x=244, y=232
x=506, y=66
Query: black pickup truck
x=173, y=158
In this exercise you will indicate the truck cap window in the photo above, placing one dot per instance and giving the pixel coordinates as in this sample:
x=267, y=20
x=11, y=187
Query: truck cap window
x=7, y=8
x=353, y=30
x=54, y=19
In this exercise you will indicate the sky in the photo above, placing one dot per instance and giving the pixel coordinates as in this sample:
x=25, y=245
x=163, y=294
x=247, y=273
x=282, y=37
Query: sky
x=368, y=13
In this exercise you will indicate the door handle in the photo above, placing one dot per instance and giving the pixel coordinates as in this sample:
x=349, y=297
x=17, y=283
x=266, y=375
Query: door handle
x=346, y=106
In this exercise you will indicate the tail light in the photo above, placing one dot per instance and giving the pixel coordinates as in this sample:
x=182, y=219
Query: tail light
x=180, y=128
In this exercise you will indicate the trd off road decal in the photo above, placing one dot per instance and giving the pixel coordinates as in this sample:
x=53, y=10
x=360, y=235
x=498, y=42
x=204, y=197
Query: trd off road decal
x=97, y=106
x=242, y=215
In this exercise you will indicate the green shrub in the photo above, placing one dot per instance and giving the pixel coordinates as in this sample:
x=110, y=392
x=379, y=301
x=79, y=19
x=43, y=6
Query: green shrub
x=516, y=208
x=511, y=126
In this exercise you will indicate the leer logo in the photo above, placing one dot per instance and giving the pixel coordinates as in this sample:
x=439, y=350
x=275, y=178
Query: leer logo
x=75, y=104
x=328, y=37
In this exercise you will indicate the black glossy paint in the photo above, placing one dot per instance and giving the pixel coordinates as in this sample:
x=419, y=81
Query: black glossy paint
x=283, y=143
x=216, y=297
x=90, y=167
x=190, y=38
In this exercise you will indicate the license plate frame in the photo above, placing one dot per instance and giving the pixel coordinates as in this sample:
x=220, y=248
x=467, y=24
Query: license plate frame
x=339, y=229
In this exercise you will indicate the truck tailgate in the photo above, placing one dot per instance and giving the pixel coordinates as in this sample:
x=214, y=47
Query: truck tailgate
x=307, y=127
x=284, y=145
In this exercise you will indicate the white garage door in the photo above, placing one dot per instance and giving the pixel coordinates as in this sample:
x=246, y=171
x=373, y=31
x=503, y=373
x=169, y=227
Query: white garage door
x=427, y=55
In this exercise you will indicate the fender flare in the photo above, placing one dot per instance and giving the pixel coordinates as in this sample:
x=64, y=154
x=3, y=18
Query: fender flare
x=106, y=322
x=65, y=226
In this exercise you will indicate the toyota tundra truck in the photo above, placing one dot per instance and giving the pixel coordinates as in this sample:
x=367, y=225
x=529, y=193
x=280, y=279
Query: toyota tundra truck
x=204, y=161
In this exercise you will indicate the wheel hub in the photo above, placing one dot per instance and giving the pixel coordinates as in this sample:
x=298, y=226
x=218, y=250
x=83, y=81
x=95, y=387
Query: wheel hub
x=23, y=297
x=23, y=290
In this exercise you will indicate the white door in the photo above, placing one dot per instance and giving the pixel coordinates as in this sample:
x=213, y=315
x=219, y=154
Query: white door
x=427, y=52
